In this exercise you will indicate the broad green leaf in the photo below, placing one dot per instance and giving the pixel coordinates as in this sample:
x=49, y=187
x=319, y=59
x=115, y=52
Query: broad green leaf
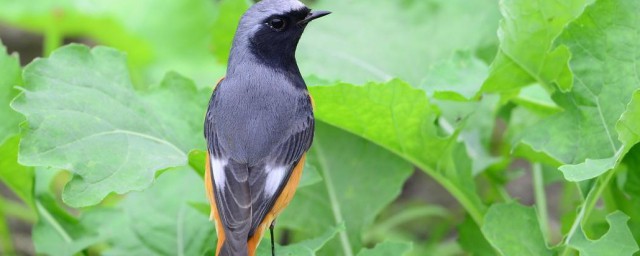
x=377, y=40
x=197, y=161
x=513, y=229
x=628, y=198
x=57, y=232
x=387, y=248
x=632, y=161
x=10, y=76
x=17, y=177
x=452, y=85
x=474, y=120
x=588, y=136
x=401, y=119
x=83, y=116
x=160, y=221
x=359, y=180
x=628, y=127
x=617, y=241
x=472, y=240
x=536, y=99
x=307, y=247
x=527, y=54
x=458, y=78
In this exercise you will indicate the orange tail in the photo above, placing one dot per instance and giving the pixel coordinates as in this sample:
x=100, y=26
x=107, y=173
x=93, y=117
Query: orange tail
x=212, y=201
x=281, y=203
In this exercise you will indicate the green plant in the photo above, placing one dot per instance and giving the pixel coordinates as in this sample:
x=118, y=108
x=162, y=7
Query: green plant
x=104, y=145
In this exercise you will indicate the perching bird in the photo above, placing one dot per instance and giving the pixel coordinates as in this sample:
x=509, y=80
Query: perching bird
x=258, y=126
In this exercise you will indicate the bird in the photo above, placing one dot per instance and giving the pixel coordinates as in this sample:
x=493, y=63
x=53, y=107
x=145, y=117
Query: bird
x=258, y=126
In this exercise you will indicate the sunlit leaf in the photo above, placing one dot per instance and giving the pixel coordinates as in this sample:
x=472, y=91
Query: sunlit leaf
x=17, y=177
x=513, y=229
x=10, y=76
x=57, y=232
x=401, y=119
x=617, y=241
x=84, y=116
x=344, y=196
x=167, y=224
x=527, y=53
x=588, y=136
x=378, y=40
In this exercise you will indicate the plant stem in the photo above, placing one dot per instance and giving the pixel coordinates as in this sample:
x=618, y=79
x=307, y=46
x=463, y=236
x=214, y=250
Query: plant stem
x=541, y=199
x=476, y=211
x=52, y=40
x=382, y=229
x=333, y=199
x=5, y=233
x=587, y=207
x=17, y=210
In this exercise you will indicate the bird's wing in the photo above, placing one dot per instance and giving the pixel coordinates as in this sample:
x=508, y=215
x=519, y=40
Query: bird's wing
x=230, y=185
x=267, y=182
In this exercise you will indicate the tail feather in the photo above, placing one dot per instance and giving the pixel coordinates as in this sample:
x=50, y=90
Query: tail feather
x=233, y=201
x=234, y=247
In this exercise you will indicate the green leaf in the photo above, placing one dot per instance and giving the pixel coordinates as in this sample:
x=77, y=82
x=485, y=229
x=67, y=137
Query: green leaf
x=197, y=161
x=10, y=76
x=57, y=232
x=617, y=241
x=513, y=229
x=345, y=194
x=472, y=240
x=401, y=119
x=459, y=78
x=17, y=177
x=527, y=54
x=628, y=127
x=308, y=247
x=583, y=136
x=84, y=116
x=167, y=224
x=387, y=248
x=632, y=161
x=378, y=40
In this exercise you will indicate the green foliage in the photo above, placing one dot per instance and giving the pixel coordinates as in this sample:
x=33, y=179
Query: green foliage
x=586, y=129
x=10, y=76
x=110, y=149
x=514, y=230
x=617, y=241
x=104, y=146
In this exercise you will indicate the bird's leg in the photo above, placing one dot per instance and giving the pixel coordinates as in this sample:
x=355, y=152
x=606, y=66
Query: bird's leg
x=273, y=247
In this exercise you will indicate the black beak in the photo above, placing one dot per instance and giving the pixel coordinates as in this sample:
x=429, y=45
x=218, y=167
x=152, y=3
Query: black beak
x=313, y=15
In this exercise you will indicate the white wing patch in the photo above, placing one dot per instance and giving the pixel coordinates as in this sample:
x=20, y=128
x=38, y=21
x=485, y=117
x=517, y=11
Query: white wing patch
x=217, y=167
x=274, y=178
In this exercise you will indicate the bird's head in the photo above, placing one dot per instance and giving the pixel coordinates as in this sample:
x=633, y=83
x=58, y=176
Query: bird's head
x=270, y=29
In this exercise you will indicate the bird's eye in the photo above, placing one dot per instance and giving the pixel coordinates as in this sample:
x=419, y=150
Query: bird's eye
x=277, y=24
